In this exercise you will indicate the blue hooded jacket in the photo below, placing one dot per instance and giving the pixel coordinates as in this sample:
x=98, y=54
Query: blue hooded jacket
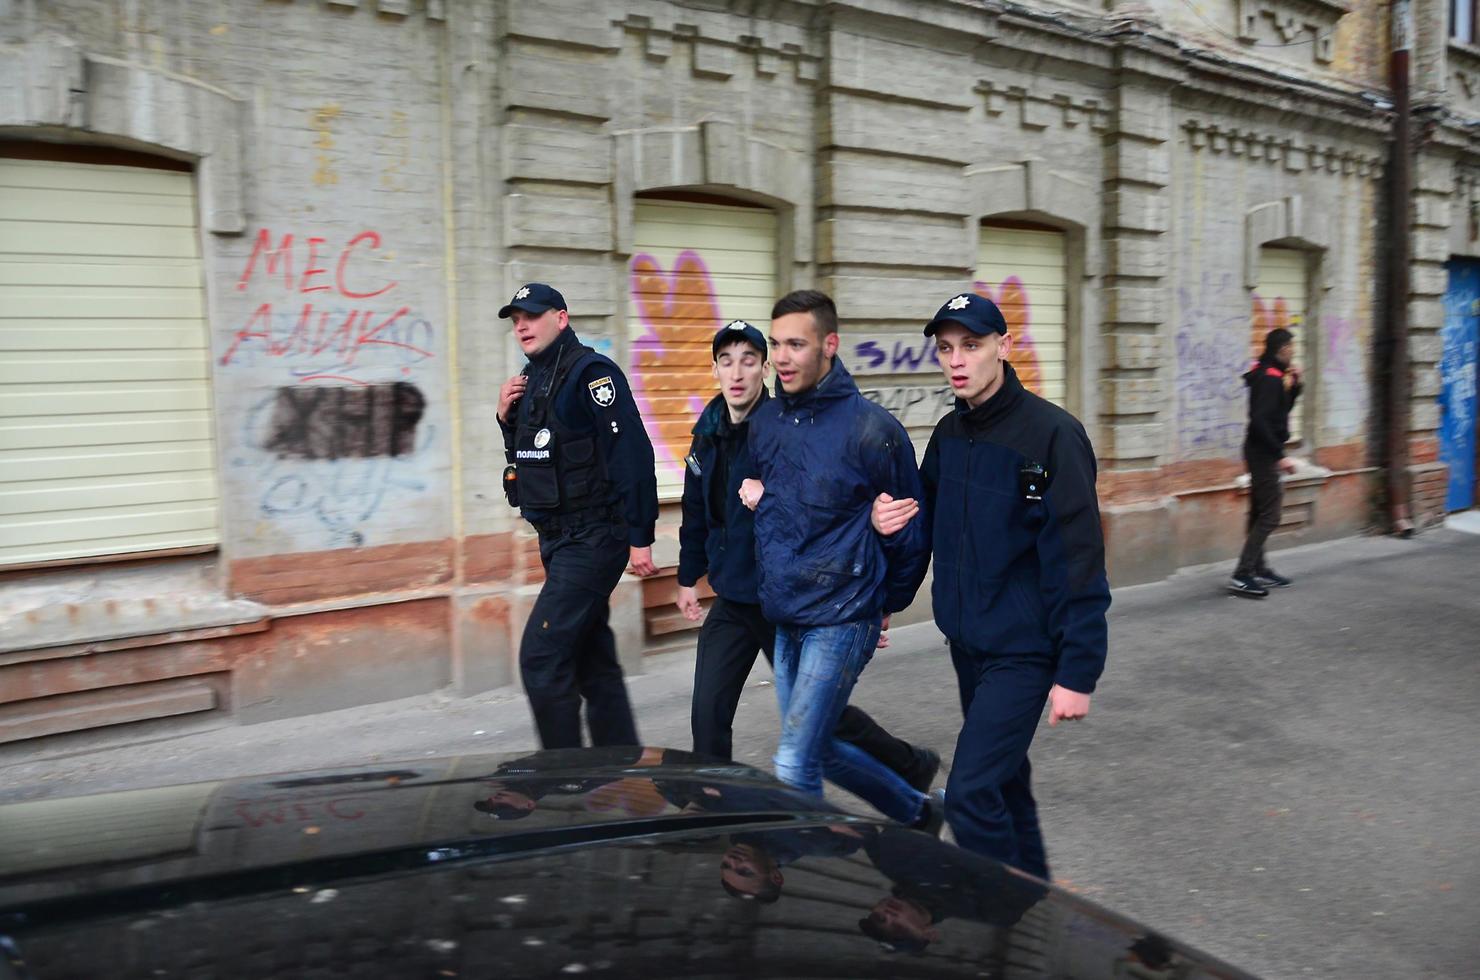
x=718, y=531
x=824, y=455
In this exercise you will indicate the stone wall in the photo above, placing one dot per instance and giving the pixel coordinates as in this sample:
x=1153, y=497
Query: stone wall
x=377, y=177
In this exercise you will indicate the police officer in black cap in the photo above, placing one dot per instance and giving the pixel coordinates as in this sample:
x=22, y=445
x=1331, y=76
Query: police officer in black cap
x=1019, y=584
x=581, y=471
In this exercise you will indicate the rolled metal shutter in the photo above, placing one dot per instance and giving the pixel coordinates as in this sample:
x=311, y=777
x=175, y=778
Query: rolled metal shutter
x=1279, y=301
x=1025, y=272
x=106, y=441
x=695, y=267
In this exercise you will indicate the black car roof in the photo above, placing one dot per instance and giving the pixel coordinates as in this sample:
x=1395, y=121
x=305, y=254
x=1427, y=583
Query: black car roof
x=611, y=857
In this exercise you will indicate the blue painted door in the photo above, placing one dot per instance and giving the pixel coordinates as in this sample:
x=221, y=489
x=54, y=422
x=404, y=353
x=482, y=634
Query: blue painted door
x=1457, y=382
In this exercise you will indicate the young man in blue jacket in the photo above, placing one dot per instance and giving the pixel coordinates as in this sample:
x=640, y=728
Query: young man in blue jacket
x=1019, y=588
x=717, y=538
x=821, y=453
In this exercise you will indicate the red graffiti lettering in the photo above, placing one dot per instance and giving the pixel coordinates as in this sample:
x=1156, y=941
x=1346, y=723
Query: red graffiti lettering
x=263, y=315
x=342, y=336
x=372, y=337
x=272, y=256
x=313, y=270
x=298, y=339
x=333, y=807
x=261, y=817
x=374, y=240
x=325, y=339
x=277, y=810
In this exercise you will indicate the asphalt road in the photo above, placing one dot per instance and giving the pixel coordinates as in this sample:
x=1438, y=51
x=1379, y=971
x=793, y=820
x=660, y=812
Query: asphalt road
x=1292, y=784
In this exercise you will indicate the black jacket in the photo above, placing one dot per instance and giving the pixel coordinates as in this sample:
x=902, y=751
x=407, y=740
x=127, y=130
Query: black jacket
x=718, y=531
x=1019, y=558
x=1269, y=410
x=617, y=428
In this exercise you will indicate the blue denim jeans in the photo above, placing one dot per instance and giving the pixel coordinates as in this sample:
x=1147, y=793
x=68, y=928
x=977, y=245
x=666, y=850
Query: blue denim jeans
x=816, y=668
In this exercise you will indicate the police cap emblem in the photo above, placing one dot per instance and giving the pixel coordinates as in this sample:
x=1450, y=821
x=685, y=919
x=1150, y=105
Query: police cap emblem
x=603, y=392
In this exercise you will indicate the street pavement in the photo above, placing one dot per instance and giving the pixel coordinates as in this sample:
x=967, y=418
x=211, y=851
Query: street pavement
x=1292, y=784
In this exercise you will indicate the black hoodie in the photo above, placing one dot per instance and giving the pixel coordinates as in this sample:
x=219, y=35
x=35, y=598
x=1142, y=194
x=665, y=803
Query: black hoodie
x=1269, y=409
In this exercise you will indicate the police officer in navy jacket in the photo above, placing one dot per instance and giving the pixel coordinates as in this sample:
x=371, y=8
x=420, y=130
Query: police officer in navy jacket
x=581, y=471
x=1019, y=588
x=717, y=538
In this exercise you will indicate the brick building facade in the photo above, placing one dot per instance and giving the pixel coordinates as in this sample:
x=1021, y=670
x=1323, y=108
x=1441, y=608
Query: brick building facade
x=315, y=521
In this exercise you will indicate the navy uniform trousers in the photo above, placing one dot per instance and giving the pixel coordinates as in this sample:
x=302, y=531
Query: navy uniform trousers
x=568, y=653
x=989, y=799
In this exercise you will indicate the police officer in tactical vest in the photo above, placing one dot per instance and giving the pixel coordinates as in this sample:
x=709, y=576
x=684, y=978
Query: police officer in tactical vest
x=581, y=471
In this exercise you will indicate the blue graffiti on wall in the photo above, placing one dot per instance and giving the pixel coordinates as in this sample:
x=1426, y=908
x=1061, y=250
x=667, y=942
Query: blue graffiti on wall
x=902, y=358
x=340, y=496
x=1212, y=350
x=1457, y=382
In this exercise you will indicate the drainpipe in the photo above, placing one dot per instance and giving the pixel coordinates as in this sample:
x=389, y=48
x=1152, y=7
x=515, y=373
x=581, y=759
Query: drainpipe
x=1400, y=231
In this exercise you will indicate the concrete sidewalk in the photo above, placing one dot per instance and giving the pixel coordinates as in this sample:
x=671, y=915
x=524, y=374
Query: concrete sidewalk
x=1288, y=783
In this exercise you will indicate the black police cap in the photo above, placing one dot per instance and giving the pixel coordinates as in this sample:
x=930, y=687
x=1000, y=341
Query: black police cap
x=533, y=297
x=976, y=313
x=738, y=330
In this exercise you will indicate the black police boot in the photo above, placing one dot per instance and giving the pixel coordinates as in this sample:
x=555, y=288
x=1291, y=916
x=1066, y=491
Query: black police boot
x=1247, y=586
x=1270, y=579
x=922, y=771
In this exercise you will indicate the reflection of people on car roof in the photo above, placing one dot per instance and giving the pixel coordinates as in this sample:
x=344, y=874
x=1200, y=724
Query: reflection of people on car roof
x=751, y=867
x=935, y=881
x=723, y=797
x=515, y=788
x=1151, y=957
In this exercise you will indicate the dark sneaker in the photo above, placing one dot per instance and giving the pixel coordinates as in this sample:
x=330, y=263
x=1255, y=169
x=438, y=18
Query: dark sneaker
x=922, y=772
x=1270, y=579
x=933, y=816
x=1247, y=586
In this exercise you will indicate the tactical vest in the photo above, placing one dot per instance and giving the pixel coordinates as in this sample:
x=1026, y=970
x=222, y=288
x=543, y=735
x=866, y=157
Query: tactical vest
x=561, y=470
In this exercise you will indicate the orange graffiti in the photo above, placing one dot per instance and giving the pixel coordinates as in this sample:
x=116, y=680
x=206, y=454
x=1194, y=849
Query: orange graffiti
x=1267, y=317
x=1012, y=299
x=671, y=362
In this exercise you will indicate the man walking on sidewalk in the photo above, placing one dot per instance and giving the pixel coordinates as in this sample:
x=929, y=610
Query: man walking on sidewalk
x=1274, y=385
x=1020, y=588
x=717, y=537
x=821, y=453
x=581, y=471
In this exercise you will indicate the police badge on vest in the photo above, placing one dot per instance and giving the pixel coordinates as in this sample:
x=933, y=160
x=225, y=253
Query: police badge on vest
x=557, y=468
